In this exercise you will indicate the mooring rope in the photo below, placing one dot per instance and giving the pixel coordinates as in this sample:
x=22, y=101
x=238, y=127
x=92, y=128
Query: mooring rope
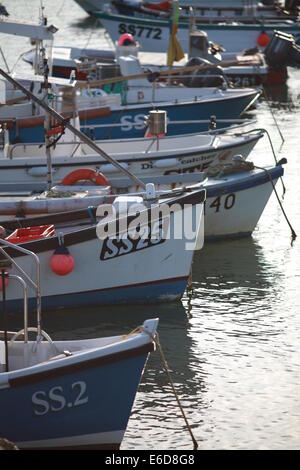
x=293, y=233
x=261, y=129
x=155, y=339
x=271, y=111
x=190, y=291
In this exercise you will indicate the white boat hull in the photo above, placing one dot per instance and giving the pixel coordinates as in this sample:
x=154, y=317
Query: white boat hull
x=108, y=272
x=26, y=168
x=153, y=35
x=235, y=211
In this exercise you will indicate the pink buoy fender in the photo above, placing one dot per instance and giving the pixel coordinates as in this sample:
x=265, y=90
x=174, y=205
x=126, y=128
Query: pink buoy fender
x=62, y=262
x=126, y=39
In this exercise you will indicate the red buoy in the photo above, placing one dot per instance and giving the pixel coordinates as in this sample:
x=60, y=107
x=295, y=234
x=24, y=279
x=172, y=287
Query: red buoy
x=62, y=262
x=126, y=40
x=263, y=39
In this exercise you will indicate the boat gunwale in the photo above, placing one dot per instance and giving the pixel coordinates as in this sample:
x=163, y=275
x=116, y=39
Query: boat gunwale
x=184, y=24
x=88, y=233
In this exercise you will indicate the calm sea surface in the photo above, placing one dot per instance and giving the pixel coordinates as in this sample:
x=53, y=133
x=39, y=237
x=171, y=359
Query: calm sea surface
x=233, y=350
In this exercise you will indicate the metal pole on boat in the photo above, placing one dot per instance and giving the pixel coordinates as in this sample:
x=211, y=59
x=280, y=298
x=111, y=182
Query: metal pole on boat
x=4, y=264
x=37, y=285
x=73, y=129
x=45, y=87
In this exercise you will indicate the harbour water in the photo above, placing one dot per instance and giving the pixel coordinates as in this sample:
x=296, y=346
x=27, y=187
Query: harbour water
x=233, y=347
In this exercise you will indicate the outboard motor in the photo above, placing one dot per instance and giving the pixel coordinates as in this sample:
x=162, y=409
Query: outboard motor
x=294, y=56
x=282, y=50
x=209, y=76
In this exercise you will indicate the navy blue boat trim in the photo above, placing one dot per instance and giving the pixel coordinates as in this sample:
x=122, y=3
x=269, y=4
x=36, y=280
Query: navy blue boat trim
x=255, y=180
x=71, y=368
x=148, y=292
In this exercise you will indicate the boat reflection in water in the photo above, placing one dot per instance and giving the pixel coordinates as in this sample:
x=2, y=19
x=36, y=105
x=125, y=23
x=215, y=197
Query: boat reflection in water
x=233, y=277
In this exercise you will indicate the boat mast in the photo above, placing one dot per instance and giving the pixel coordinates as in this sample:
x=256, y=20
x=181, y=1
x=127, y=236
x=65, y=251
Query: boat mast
x=37, y=32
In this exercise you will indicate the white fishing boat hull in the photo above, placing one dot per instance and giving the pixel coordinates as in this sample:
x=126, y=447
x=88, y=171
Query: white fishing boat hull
x=234, y=208
x=64, y=61
x=108, y=272
x=26, y=167
x=235, y=202
x=153, y=35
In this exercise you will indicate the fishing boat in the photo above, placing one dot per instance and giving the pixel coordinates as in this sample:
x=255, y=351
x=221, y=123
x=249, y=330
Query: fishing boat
x=67, y=394
x=111, y=119
x=153, y=34
x=237, y=193
x=128, y=121
x=235, y=202
x=245, y=69
x=25, y=165
x=166, y=246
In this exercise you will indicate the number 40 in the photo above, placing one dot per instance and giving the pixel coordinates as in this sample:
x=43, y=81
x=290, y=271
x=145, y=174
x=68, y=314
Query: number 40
x=228, y=202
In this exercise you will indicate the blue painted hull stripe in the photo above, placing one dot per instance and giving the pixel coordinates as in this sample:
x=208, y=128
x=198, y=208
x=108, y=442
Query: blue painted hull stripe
x=226, y=108
x=256, y=180
x=157, y=291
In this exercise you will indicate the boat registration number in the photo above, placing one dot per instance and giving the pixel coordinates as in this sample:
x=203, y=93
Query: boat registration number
x=56, y=399
x=149, y=236
x=227, y=202
x=140, y=31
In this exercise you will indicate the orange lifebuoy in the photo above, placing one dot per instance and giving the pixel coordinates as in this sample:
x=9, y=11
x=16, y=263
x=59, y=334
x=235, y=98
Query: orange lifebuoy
x=263, y=39
x=85, y=174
